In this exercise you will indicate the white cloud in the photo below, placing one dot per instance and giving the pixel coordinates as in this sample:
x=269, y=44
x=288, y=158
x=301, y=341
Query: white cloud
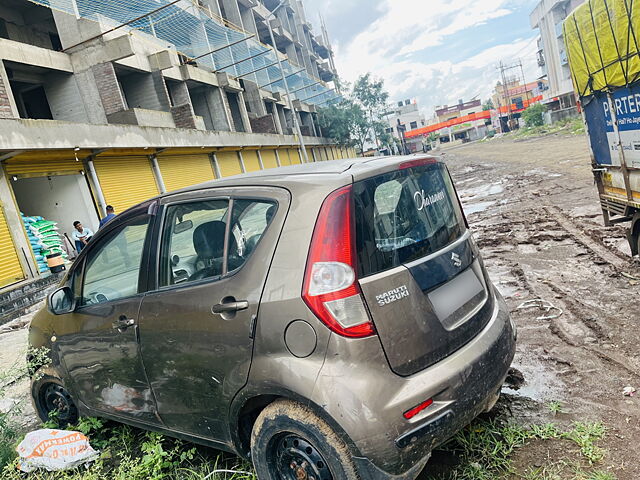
x=391, y=45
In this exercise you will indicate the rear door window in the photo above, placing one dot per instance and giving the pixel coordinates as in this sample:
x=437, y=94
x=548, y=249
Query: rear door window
x=405, y=215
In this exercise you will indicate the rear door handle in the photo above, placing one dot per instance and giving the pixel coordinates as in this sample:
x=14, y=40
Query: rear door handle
x=123, y=323
x=230, y=307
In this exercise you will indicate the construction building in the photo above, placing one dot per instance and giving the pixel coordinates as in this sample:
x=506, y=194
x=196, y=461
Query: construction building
x=469, y=129
x=511, y=97
x=548, y=17
x=112, y=102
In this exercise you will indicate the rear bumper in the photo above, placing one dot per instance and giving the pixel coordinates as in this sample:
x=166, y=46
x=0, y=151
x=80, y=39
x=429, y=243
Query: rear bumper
x=368, y=400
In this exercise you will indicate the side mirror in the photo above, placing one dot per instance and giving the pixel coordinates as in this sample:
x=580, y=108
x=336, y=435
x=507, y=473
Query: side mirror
x=62, y=301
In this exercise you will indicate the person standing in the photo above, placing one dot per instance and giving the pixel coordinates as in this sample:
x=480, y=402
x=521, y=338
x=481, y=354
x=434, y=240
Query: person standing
x=111, y=214
x=81, y=235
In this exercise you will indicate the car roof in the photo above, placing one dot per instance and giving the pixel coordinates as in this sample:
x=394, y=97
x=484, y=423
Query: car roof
x=283, y=176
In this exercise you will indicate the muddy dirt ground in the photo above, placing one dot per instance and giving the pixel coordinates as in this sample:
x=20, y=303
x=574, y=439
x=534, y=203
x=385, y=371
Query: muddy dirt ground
x=535, y=213
x=534, y=209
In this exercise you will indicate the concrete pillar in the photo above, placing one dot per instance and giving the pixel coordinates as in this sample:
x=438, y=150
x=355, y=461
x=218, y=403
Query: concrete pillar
x=244, y=113
x=14, y=222
x=231, y=11
x=182, y=107
x=256, y=103
x=219, y=109
x=273, y=110
x=248, y=20
x=8, y=107
x=108, y=88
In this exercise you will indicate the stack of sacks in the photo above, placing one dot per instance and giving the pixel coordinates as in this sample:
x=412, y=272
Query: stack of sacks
x=44, y=239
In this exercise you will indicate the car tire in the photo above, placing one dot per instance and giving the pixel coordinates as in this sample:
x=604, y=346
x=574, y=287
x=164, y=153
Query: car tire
x=289, y=441
x=49, y=394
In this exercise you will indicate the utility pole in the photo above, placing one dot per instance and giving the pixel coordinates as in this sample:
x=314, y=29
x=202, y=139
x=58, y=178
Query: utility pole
x=507, y=98
x=296, y=124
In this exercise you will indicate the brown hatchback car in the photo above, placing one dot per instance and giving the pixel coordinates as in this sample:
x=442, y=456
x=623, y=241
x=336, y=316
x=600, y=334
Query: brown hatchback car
x=329, y=321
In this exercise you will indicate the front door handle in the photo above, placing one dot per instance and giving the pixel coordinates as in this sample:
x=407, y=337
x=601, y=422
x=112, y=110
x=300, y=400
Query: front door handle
x=230, y=307
x=123, y=323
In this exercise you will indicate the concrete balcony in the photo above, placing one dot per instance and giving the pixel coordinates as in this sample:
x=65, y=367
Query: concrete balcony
x=227, y=82
x=143, y=118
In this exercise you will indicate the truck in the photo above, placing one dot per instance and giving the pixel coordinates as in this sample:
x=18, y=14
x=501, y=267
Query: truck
x=602, y=39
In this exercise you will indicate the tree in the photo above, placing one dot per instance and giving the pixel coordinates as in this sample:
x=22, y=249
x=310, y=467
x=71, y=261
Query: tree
x=370, y=94
x=534, y=115
x=346, y=123
x=488, y=105
x=358, y=118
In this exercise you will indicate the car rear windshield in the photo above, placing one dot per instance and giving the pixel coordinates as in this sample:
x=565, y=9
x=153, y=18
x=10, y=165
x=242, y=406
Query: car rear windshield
x=405, y=215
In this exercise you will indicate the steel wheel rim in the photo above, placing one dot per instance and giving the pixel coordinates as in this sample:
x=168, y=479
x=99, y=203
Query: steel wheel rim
x=54, y=398
x=292, y=457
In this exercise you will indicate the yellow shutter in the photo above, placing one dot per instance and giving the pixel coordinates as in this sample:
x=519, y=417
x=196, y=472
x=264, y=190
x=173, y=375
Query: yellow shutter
x=180, y=171
x=35, y=164
x=269, y=158
x=284, y=157
x=251, y=162
x=10, y=268
x=294, y=157
x=229, y=163
x=310, y=154
x=126, y=181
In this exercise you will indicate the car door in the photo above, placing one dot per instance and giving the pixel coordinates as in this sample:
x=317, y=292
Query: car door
x=98, y=342
x=196, y=328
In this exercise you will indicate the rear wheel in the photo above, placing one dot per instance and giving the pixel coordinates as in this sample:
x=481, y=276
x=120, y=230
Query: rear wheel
x=52, y=401
x=290, y=442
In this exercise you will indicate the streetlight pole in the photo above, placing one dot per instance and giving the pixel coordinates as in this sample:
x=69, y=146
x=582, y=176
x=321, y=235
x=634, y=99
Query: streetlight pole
x=296, y=124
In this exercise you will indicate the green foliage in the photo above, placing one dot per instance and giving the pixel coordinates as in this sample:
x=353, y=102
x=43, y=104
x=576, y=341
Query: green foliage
x=572, y=126
x=534, y=115
x=359, y=118
x=9, y=428
x=555, y=407
x=488, y=105
x=486, y=449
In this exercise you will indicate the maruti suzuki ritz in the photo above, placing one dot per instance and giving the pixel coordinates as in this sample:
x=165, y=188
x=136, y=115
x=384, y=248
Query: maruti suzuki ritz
x=329, y=321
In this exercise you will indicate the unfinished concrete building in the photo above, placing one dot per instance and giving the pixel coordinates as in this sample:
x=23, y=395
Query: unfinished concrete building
x=115, y=102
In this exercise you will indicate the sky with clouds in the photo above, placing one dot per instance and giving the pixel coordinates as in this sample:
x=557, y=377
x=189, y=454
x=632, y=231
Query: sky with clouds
x=436, y=51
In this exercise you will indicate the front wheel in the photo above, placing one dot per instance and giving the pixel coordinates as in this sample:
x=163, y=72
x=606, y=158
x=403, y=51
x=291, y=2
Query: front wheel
x=52, y=401
x=290, y=442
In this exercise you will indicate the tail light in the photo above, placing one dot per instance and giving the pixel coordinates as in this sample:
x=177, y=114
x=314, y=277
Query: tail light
x=331, y=287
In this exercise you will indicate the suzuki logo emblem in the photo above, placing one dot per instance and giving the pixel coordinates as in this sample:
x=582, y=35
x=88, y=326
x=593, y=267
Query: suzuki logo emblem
x=457, y=261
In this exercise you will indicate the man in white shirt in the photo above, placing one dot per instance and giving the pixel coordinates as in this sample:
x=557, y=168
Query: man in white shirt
x=81, y=235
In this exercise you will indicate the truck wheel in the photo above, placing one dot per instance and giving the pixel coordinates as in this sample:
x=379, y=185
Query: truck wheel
x=51, y=400
x=290, y=442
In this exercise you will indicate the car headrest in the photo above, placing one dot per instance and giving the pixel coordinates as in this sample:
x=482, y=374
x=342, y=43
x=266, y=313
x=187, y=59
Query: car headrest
x=208, y=239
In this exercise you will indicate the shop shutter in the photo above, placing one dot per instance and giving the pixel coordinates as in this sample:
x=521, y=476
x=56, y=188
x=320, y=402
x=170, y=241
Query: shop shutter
x=269, y=158
x=34, y=164
x=250, y=159
x=336, y=154
x=126, y=181
x=10, y=268
x=180, y=171
x=310, y=154
x=294, y=156
x=229, y=163
x=284, y=157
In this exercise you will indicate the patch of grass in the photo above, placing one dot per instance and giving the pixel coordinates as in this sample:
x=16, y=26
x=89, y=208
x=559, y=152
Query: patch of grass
x=130, y=454
x=555, y=407
x=486, y=449
x=9, y=428
x=572, y=126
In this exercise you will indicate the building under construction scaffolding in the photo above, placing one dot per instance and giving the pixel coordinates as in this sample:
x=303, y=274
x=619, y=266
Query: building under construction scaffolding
x=111, y=102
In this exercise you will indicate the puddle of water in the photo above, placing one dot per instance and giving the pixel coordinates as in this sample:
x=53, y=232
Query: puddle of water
x=471, y=208
x=482, y=191
x=540, y=383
